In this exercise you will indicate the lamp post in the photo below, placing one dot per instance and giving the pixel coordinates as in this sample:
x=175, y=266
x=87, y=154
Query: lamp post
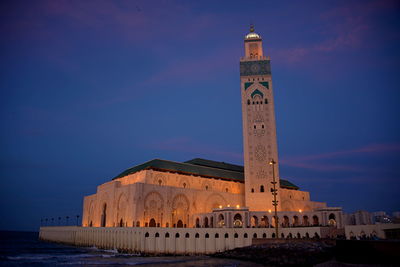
x=274, y=193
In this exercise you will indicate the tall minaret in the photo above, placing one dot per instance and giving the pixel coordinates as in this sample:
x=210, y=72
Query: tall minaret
x=259, y=130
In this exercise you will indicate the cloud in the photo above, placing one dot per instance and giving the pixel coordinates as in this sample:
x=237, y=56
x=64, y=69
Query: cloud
x=313, y=162
x=343, y=27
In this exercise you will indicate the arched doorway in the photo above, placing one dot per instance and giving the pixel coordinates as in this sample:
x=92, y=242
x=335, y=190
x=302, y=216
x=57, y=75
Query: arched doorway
x=264, y=221
x=152, y=223
x=179, y=224
x=221, y=221
x=285, y=222
x=197, y=222
x=206, y=222
x=332, y=219
x=237, y=221
x=305, y=221
x=254, y=221
x=315, y=220
x=121, y=223
x=104, y=216
x=295, y=221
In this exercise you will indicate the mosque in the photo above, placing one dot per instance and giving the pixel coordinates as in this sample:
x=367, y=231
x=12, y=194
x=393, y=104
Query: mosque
x=201, y=193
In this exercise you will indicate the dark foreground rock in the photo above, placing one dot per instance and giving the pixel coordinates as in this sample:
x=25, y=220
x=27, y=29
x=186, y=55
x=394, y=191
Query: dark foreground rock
x=284, y=253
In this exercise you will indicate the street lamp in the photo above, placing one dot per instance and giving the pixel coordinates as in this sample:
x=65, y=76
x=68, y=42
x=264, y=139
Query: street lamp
x=274, y=193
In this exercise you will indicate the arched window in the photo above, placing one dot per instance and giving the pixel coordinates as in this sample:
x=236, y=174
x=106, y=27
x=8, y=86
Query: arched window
x=187, y=235
x=261, y=188
x=184, y=185
x=157, y=235
x=245, y=235
x=252, y=190
x=264, y=235
x=104, y=216
x=226, y=190
x=147, y=234
x=137, y=224
x=207, y=235
x=226, y=235
x=216, y=235
x=248, y=101
x=177, y=235
x=197, y=235
x=206, y=187
x=255, y=235
x=236, y=235
x=159, y=182
x=167, y=235
x=266, y=101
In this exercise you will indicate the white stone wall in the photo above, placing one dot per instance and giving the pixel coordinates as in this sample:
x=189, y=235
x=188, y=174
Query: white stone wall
x=358, y=231
x=156, y=240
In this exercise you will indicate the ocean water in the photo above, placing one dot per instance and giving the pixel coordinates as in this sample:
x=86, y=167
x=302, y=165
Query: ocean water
x=24, y=249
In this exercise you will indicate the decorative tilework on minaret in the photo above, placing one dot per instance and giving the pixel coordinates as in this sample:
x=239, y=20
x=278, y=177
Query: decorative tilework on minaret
x=259, y=129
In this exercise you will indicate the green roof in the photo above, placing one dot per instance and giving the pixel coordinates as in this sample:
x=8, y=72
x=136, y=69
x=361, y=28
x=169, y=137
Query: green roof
x=199, y=167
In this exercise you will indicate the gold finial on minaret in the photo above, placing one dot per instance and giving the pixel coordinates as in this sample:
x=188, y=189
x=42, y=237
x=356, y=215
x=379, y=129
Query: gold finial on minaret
x=251, y=27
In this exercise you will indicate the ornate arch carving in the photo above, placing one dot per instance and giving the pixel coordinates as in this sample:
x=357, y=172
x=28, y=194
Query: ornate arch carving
x=153, y=207
x=180, y=209
x=153, y=200
x=121, y=206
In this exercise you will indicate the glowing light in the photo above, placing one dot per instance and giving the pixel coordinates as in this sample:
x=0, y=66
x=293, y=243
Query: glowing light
x=300, y=211
x=252, y=35
x=220, y=206
x=269, y=211
x=229, y=205
x=237, y=206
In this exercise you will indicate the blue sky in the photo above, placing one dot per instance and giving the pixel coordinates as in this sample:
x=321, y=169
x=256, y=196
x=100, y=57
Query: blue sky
x=90, y=88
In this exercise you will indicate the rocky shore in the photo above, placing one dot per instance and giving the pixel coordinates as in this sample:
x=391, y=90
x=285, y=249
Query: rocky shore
x=284, y=252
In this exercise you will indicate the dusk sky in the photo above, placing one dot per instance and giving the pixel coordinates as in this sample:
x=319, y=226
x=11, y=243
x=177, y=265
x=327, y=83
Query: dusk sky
x=90, y=88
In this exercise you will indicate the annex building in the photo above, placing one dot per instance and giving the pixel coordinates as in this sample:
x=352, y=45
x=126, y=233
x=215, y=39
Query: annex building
x=201, y=193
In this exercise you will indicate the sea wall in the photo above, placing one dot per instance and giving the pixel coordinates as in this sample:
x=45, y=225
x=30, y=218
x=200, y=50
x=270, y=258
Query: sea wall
x=156, y=240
